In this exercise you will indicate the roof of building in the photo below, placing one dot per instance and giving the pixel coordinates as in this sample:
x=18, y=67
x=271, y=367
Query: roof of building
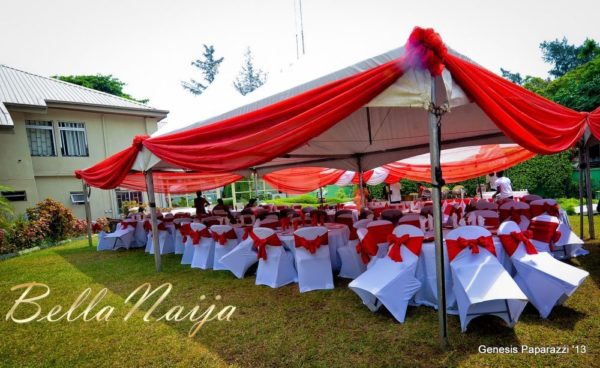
x=21, y=89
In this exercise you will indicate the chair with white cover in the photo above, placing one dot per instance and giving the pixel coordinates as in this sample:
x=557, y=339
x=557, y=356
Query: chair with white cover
x=530, y=198
x=242, y=257
x=484, y=218
x=373, y=240
x=122, y=237
x=225, y=240
x=188, y=246
x=480, y=283
x=269, y=222
x=214, y=220
x=567, y=244
x=275, y=264
x=166, y=240
x=391, y=280
x=179, y=234
x=246, y=219
x=546, y=281
x=483, y=204
x=517, y=212
x=352, y=263
x=204, y=246
x=545, y=234
x=413, y=219
x=313, y=261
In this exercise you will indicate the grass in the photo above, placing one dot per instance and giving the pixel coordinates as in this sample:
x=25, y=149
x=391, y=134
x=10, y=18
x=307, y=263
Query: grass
x=271, y=327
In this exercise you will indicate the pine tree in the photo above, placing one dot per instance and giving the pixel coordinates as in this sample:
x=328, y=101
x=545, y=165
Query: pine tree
x=209, y=67
x=250, y=77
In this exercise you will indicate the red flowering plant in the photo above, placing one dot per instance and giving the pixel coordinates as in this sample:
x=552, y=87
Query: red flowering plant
x=59, y=219
x=26, y=234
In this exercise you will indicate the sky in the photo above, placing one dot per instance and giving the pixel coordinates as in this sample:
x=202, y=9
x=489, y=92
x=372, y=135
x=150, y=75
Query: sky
x=150, y=44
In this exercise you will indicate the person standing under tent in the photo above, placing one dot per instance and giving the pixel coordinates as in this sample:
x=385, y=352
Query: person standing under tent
x=200, y=204
x=221, y=206
x=490, y=180
x=395, y=192
x=503, y=187
x=357, y=198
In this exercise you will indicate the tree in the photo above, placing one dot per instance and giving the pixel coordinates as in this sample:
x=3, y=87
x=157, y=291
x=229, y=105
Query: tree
x=513, y=77
x=250, y=77
x=99, y=82
x=209, y=67
x=565, y=56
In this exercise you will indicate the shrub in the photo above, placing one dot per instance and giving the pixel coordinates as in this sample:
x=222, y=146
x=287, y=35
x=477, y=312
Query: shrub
x=79, y=228
x=57, y=218
x=27, y=233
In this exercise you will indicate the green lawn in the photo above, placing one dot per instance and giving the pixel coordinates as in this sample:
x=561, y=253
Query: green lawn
x=271, y=327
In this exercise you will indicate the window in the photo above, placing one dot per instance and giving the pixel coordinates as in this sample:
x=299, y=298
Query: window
x=15, y=196
x=40, y=136
x=127, y=196
x=77, y=198
x=73, y=139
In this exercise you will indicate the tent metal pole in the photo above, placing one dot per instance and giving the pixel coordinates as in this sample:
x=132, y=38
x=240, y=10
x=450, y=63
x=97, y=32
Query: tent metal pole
x=360, y=183
x=88, y=211
x=152, y=205
x=437, y=182
x=588, y=192
x=581, y=164
x=255, y=175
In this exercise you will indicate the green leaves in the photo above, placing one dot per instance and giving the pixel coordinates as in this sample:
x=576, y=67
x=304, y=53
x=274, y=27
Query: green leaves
x=99, y=82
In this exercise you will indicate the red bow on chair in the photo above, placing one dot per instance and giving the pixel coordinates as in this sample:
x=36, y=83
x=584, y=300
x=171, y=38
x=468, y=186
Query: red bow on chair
x=375, y=235
x=284, y=222
x=512, y=241
x=96, y=227
x=261, y=244
x=197, y=234
x=550, y=209
x=125, y=224
x=545, y=231
x=185, y=230
x=223, y=237
x=247, y=231
x=147, y=226
x=413, y=244
x=311, y=245
x=315, y=220
x=456, y=246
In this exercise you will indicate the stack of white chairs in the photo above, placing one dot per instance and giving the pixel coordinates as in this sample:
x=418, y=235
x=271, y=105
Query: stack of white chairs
x=204, y=246
x=122, y=237
x=567, y=244
x=242, y=257
x=275, y=264
x=225, y=240
x=481, y=285
x=546, y=281
x=352, y=264
x=314, y=269
x=515, y=211
x=391, y=280
x=166, y=240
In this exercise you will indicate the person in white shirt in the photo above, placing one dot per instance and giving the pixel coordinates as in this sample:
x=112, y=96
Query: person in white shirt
x=503, y=187
x=491, y=181
x=395, y=196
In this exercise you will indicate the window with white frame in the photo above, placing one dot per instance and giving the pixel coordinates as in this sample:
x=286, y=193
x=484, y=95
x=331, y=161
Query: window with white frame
x=40, y=135
x=127, y=196
x=73, y=139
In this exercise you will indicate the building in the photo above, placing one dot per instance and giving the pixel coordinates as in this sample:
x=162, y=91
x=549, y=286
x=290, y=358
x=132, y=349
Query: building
x=50, y=128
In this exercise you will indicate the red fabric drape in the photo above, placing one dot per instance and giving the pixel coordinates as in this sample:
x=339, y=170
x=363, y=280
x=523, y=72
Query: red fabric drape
x=179, y=182
x=594, y=122
x=110, y=172
x=302, y=179
x=530, y=120
x=491, y=158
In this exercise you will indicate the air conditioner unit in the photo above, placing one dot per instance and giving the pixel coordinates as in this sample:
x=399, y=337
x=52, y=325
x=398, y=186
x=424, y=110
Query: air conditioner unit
x=77, y=198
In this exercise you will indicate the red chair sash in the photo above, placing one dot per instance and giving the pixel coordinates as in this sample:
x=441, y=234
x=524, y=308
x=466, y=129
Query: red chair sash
x=491, y=222
x=413, y=244
x=455, y=246
x=168, y=219
x=247, y=231
x=197, y=234
x=513, y=213
x=311, y=245
x=223, y=237
x=284, y=222
x=538, y=209
x=185, y=230
x=350, y=223
x=125, y=224
x=315, y=220
x=147, y=226
x=261, y=244
x=210, y=223
x=96, y=227
x=367, y=248
x=511, y=241
x=271, y=225
x=545, y=231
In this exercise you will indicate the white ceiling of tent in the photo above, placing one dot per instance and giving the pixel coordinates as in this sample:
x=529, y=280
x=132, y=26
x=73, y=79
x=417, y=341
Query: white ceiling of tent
x=391, y=127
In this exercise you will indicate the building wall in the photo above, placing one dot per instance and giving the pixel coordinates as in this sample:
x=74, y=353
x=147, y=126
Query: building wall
x=44, y=177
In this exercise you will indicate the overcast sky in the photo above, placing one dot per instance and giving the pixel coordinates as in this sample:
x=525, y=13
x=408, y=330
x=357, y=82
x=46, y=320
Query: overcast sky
x=149, y=44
